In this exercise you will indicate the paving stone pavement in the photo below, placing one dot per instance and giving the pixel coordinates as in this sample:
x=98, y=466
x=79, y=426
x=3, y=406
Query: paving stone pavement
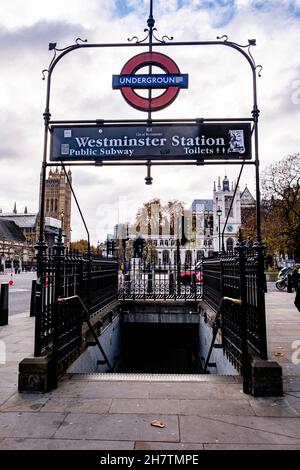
x=85, y=413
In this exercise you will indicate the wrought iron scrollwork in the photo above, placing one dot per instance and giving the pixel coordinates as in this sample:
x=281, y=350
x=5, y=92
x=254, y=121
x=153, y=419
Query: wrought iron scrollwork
x=139, y=41
x=164, y=38
x=52, y=47
x=251, y=43
x=225, y=37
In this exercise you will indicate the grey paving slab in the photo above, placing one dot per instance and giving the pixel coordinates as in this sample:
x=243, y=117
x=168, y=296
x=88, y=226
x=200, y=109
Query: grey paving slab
x=5, y=394
x=241, y=430
x=77, y=405
x=63, y=444
x=215, y=407
x=167, y=446
x=291, y=369
x=81, y=389
x=293, y=399
x=123, y=427
x=182, y=407
x=281, y=426
x=13, y=424
x=291, y=384
x=24, y=402
x=8, y=376
x=206, y=390
x=131, y=405
x=272, y=407
x=252, y=447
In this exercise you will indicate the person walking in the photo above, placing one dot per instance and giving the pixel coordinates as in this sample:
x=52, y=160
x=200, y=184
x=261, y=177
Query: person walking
x=296, y=284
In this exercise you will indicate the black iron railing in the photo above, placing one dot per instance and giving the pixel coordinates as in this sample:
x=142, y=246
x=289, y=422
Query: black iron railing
x=61, y=274
x=141, y=280
x=240, y=275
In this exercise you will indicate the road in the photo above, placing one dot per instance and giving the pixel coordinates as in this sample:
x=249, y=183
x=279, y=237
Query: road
x=19, y=292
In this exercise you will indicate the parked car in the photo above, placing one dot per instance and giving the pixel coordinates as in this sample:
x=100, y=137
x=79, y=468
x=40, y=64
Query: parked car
x=191, y=274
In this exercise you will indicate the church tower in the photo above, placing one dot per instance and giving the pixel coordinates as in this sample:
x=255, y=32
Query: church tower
x=222, y=198
x=58, y=200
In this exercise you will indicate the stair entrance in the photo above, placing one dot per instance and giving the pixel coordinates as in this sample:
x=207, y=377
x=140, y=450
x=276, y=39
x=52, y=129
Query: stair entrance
x=160, y=349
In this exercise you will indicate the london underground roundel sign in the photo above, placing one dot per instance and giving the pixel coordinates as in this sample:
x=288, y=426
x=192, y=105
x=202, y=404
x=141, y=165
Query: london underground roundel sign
x=171, y=81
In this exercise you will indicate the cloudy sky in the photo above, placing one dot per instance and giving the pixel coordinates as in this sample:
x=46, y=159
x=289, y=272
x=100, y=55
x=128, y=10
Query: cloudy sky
x=220, y=86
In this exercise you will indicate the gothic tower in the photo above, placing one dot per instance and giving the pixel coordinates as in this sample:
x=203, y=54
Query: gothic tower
x=222, y=198
x=58, y=200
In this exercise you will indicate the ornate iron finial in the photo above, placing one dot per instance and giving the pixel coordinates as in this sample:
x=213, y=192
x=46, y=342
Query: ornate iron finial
x=150, y=32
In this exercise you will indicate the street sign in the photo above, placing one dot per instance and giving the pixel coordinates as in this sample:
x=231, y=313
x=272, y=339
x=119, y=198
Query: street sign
x=151, y=81
x=196, y=141
x=171, y=81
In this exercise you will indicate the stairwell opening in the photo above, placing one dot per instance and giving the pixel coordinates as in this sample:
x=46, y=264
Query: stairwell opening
x=160, y=348
x=141, y=338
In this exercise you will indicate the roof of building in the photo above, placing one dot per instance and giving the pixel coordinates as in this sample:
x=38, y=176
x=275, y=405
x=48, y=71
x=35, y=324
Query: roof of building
x=200, y=205
x=21, y=220
x=246, y=198
x=10, y=231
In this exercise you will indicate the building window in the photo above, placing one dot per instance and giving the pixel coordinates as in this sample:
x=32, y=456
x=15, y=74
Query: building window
x=228, y=200
x=165, y=256
x=47, y=205
x=161, y=242
x=200, y=254
x=188, y=257
x=229, y=244
x=166, y=243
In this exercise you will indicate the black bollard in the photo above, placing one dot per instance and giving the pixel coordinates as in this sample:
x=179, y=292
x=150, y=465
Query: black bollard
x=4, y=304
x=32, y=300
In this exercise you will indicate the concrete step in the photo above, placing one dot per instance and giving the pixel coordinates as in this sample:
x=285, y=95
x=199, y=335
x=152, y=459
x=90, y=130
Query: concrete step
x=119, y=377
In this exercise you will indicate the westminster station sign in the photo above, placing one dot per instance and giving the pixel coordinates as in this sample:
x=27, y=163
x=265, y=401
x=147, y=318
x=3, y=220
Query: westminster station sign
x=198, y=141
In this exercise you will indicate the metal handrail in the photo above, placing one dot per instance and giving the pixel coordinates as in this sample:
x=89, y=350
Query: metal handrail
x=217, y=325
x=87, y=320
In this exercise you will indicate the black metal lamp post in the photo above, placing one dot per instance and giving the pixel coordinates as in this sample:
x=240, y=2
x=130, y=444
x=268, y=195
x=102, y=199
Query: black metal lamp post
x=219, y=213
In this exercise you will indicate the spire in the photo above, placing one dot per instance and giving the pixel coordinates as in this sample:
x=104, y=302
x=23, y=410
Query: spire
x=232, y=186
x=219, y=183
x=25, y=210
x=214, y=186
x=15, y=208
x=225, y=184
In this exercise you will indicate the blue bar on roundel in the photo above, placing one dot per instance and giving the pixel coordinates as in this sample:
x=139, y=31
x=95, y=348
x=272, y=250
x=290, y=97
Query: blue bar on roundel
x=150, y=81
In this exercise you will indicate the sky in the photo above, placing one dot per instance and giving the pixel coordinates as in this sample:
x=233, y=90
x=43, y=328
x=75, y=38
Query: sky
x=220, y=86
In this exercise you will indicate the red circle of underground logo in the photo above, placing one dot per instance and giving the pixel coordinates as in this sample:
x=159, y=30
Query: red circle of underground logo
x=142, y=60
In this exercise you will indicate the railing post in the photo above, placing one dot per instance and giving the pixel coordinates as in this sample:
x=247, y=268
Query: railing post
x=41, y=259
x=243, y=315
x=89, y=278
x=33, y=298
x=59, y=284
x=261, y=281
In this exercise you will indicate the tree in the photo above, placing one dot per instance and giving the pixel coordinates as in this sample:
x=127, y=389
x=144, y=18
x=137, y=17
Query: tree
x=281, y=191
x=82, y=246
x=156, y=219
x=150, y=252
